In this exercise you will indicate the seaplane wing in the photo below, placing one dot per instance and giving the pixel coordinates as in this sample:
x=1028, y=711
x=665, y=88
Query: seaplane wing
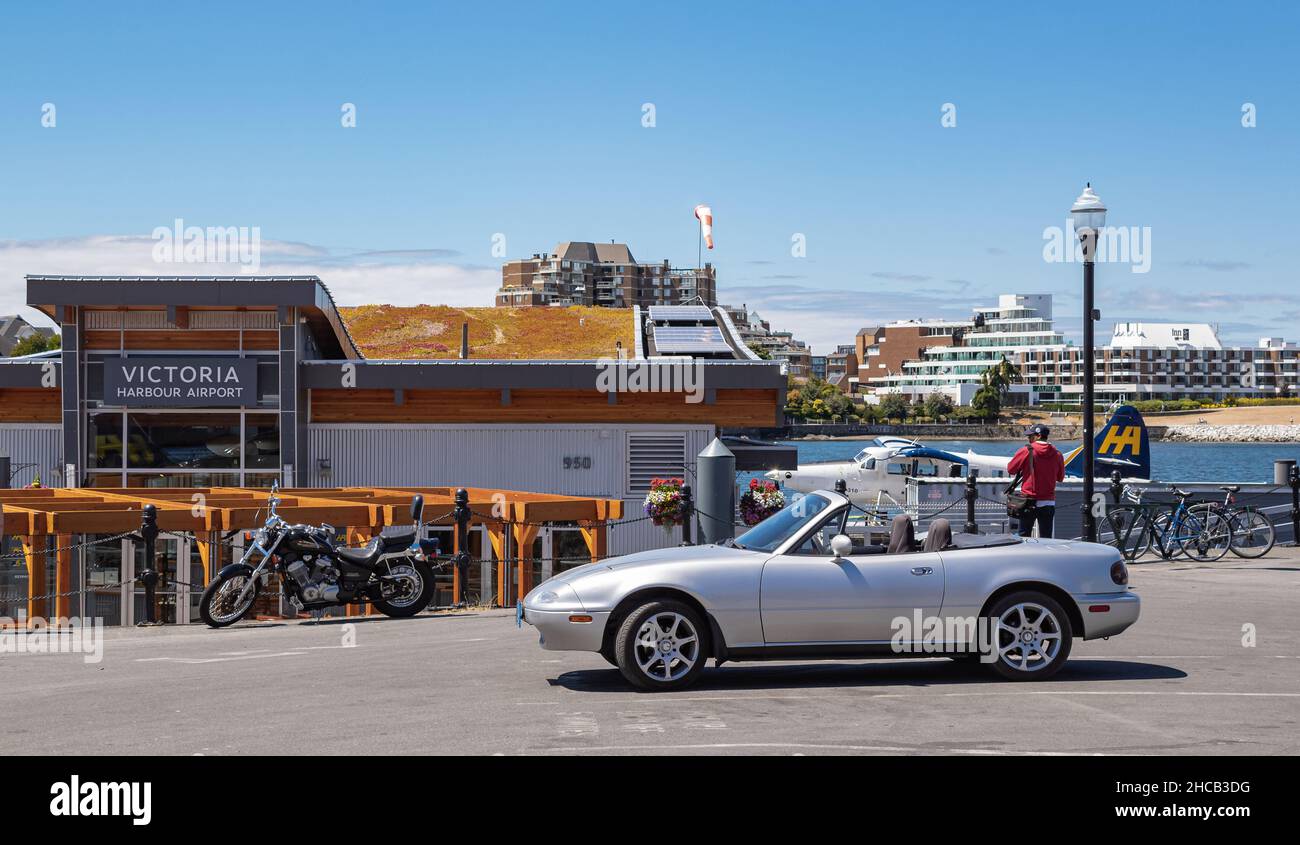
x=878, y=474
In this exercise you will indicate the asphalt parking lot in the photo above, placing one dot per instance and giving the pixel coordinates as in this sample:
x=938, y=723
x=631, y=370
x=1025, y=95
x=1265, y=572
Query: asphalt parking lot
x=1180, y=682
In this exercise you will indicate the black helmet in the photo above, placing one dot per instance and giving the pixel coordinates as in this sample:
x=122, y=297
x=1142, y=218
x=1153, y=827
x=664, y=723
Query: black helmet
x=1038, y=428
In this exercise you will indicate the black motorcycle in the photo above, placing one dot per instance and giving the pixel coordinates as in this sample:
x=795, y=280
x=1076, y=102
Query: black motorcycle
x=392, y=570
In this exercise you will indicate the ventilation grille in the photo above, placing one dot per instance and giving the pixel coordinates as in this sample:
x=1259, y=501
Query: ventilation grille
x=652, y=456
x=197, y=320
x=232, y=320
x=127, y=320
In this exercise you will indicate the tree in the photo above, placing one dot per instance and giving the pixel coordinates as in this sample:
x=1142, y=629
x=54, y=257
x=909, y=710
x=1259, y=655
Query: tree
x=894, y=406
x=938, y=405
x=760, y=351
x=36, y=342
x=994, y=382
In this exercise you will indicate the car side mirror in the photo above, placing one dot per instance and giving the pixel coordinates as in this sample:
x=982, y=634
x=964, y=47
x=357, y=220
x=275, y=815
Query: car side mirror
x=417, y=509
x=841, y=546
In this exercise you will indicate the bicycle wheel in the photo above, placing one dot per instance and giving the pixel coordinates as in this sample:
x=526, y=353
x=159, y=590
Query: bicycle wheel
x=1253, y=534
x=1162, y=536
x=1205, y=534
x=1130, y=532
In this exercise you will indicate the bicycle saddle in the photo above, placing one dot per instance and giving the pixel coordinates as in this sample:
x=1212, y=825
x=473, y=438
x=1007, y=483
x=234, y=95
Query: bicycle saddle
x=1231, y=488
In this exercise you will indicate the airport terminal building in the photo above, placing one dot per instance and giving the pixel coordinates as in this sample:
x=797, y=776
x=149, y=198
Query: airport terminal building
x=242, y=381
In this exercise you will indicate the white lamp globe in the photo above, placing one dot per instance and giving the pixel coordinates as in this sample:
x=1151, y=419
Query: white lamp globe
x=1088, y=212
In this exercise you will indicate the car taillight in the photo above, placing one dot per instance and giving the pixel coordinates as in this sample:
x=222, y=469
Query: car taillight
x=1119, y=573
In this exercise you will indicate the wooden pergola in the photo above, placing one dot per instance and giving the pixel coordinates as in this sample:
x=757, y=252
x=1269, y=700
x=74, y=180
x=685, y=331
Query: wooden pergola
x=36, y=514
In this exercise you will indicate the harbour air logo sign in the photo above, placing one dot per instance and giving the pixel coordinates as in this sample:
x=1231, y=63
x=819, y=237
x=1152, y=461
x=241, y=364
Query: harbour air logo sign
x=180, y=382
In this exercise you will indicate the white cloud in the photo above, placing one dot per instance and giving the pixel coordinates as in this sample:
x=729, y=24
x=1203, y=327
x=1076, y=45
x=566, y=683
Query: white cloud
x=355, y=277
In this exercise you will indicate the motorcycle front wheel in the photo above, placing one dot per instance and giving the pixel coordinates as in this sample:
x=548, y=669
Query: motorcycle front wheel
x=220, y=605
x=417, y=589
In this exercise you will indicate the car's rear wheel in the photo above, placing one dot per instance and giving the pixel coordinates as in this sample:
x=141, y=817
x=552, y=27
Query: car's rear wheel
x=1032, y=635
x=661, y=645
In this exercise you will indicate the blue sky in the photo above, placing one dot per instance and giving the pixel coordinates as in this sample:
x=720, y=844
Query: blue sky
x=526, y=120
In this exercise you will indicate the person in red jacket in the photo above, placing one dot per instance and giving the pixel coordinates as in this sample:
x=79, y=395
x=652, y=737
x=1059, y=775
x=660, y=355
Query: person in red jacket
x=1040, y=483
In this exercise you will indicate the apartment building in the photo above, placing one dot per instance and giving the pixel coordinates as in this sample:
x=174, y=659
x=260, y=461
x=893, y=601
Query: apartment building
x=781, y=346
x=1141, y=361
x=606, y=275
x=842, y=367
x=1165, y=361
x=882, y=351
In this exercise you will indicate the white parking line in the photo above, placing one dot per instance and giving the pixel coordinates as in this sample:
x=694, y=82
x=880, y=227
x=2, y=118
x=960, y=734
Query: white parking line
x=191, y=660
x=857, y=692
x=887, y=749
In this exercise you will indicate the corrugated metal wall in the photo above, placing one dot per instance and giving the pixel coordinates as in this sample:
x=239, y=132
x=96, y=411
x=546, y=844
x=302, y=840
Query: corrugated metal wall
x=36, y=444
x=518, y=457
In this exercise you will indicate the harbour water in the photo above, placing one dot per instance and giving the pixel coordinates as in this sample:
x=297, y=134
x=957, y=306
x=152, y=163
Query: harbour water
x=1226, y=462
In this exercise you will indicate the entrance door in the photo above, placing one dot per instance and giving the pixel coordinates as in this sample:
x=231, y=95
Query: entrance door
x=172, y=601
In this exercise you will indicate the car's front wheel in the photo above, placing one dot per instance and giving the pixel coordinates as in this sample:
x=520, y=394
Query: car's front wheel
x=661, y=645
x=1032, y=635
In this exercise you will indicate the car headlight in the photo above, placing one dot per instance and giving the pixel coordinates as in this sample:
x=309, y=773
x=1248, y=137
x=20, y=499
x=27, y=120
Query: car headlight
x=554, y=597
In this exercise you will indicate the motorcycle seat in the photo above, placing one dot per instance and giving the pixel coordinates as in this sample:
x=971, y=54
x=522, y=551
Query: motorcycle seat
x=383, y=544
x=363, y=556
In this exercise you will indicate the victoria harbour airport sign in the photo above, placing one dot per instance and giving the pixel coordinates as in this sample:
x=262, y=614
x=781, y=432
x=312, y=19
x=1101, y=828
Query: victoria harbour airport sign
x=180, y=382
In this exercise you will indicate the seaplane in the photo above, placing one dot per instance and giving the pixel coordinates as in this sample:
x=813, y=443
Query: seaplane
x=877, y=476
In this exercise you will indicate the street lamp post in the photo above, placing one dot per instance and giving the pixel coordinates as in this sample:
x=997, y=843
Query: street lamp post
x=1089, y=219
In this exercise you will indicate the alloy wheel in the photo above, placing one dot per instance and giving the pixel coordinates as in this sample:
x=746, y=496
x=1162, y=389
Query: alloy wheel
x=1029, y=637
x=667, y=646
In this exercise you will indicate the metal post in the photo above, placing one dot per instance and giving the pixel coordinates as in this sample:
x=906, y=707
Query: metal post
x=149, y=575
x=1089, y=265
x=841, y=486
x=461, y=514
x=1116, y=486
x=972, y=477
x=1295, y=505
x=5, y=471
x=688, y=514
x=715, y=475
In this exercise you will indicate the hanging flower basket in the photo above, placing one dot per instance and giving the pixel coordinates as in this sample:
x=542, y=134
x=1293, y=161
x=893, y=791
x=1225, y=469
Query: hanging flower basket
x=761, y=500
x=663, y=504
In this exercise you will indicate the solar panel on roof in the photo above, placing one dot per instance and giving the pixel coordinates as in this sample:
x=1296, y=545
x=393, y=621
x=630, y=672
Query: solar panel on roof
x=672, y=339
x=680, y=314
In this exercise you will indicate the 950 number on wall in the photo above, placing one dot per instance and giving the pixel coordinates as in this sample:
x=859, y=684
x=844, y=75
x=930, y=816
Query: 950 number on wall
x=577, y=461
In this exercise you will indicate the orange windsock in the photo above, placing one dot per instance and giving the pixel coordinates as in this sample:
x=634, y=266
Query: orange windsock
x=705, y=215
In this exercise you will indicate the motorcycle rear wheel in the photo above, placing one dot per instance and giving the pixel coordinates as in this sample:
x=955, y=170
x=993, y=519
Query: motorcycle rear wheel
x=421, y=587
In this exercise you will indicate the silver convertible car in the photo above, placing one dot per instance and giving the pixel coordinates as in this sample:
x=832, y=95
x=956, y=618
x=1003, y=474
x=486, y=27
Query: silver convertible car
x=797, y=586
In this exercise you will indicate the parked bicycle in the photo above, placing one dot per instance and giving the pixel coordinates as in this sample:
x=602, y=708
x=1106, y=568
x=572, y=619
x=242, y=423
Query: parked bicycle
x=1253, y=534
x=1203, y=534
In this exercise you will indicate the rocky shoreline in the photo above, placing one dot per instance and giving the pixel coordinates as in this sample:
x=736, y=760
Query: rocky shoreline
x=1191, y=433
x=1205, y=433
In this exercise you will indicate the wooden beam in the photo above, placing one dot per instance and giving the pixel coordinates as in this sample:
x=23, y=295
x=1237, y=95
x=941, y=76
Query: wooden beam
x=209, y=554
x=63, y=577
x=34, y=556
x=524, y=536
x=497, y=539
x=596, y=536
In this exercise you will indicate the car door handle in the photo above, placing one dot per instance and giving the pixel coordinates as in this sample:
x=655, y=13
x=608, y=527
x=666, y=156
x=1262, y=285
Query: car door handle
x=922, y=570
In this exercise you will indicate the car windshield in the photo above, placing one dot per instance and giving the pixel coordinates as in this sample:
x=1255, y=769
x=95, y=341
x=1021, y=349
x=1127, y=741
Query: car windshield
x=782, y=525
